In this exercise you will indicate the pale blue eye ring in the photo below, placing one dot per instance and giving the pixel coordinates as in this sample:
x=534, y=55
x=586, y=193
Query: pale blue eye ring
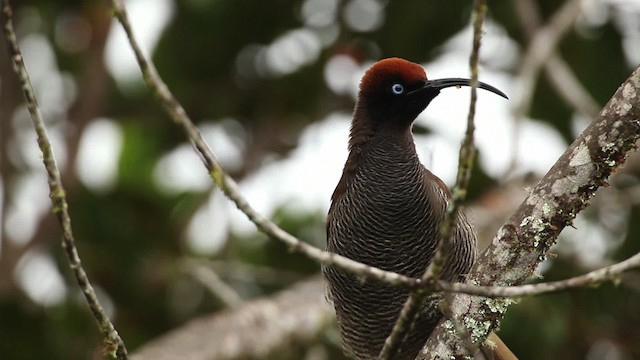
x=397, y=89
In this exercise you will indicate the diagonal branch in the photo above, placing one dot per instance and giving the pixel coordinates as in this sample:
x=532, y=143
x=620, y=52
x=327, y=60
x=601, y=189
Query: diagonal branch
x=228, y=186
x=309, y=313
x=224, y=293
x=541, y=49
x=114, y=344
x=558, y=72
x=523, y=241
x=542, y=46
x=256, y=329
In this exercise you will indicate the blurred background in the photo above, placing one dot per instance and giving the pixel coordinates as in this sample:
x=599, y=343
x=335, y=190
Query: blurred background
x=271, y=84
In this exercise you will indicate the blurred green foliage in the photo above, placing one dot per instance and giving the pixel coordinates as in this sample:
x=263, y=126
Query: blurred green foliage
x=131, y=238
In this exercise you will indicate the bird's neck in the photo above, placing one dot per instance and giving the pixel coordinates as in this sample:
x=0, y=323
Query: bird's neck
x=378, y=147
x=392, y=137
x=385, y=147
x=366, y=130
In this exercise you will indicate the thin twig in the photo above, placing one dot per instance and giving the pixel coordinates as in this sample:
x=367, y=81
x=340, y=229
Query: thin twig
x=114, y=344
x=609, y=273
x=540, y=49
x=417, y=297
x=246, y=272
x=558, y=72
x=564, y=80
x=218, y=288
x=198, y=342
x=228, y=186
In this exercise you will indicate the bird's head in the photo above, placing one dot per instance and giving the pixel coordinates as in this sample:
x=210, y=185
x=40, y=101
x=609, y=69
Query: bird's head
x=396, y=90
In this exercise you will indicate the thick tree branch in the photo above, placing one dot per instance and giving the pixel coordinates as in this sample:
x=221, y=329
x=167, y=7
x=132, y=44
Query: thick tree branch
x=250, y=331
x=182, y=337
x=185, y=336
x=522, y=243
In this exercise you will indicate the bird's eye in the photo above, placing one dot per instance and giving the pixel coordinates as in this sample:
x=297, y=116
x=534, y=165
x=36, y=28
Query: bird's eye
x=397, y=89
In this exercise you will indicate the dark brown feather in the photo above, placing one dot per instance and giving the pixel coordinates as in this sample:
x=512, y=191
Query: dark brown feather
x=385, y=212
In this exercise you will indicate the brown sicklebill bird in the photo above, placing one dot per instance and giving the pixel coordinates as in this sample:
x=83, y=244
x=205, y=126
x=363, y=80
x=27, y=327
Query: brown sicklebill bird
x=386, y=211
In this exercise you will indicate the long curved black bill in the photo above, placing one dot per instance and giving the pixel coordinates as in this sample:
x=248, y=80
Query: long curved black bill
x=440, y=84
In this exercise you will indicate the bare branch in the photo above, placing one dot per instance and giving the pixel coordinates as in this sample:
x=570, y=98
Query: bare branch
x=250, y=331
x=199, y=338
x=187, y=338
x=467, y=154
x=260, y=274
x=609, y=273
x=522, y=243
x=218, y=288
x=114, y=344
x=228, y=186
x=569, y=88
x=557, y=70
x=542, y=45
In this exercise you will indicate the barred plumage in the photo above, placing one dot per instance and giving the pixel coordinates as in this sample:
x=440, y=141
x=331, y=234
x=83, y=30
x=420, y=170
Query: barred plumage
x=386, y=212
x=388, y=217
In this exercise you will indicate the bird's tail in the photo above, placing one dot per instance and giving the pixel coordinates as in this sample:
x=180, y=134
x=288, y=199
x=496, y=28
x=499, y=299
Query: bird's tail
x=498, y=350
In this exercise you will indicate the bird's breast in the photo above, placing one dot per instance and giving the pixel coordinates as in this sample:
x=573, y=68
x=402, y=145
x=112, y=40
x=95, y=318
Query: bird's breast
x=387, y=217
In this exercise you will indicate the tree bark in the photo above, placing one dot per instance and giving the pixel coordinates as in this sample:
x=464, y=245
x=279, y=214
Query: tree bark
x=251, y=331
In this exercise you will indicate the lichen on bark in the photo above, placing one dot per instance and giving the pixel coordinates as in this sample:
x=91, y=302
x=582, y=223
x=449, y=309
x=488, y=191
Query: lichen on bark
x=523, y=241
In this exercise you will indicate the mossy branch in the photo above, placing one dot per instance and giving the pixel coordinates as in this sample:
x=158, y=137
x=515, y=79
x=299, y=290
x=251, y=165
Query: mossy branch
x=523, y=241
